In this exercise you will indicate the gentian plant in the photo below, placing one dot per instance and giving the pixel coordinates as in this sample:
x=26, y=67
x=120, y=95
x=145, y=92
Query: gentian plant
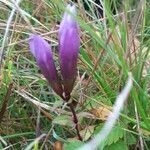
x=69, y=43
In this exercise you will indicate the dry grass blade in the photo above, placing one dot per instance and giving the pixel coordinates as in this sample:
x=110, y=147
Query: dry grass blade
x=30, y=146
x=137, y=19
x=33, y=101
x=38, y=104
x=7, y=32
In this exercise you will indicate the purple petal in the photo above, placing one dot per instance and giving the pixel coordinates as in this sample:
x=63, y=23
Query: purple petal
x=69, y=43
x=43, y=55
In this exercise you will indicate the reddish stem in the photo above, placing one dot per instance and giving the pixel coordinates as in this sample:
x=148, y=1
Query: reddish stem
x=75, y=120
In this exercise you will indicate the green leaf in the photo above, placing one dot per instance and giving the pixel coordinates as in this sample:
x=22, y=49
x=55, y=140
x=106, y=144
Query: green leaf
x=116, y=134
x=57, y=137
x=1, y=146
x=72, y=145
x=130, y=138
x=63, y=120
x=119, y=145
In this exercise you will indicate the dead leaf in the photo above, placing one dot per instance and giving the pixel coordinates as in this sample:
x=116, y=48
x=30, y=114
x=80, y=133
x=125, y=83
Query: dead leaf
x=101, y=112
x=58, y=145
x=145, y=132
x=87, y=132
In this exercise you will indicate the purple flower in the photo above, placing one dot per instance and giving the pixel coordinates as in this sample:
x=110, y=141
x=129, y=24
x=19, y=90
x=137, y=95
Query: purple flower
x=69, y=43
x=43, y=55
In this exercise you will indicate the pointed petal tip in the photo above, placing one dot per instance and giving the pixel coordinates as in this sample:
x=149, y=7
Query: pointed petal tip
x=38, y=44
x=35, y=37
x=71, y=8
x=68, y=21
x=72, y=13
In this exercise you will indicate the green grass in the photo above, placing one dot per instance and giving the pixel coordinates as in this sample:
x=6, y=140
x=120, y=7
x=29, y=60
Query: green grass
x=110, y=49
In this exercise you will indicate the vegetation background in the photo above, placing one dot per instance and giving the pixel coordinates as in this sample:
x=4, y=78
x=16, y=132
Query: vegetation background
x=115, y=40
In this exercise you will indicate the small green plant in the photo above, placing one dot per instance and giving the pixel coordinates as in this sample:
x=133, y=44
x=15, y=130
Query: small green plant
x=112, y=44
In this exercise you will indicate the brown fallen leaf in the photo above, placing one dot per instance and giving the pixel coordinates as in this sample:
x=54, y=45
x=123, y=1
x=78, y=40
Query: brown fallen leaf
x=101, y=112
x=87, y=132
x=145, y=132
x=58, y=145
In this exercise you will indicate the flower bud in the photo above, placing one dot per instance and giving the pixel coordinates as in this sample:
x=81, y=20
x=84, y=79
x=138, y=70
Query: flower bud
x=69, y=43
x=43, y=55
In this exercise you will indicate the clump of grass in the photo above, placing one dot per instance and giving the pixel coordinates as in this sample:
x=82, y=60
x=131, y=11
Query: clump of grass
x=113, y=45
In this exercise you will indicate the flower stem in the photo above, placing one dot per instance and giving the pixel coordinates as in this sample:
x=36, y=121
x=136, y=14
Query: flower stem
x=75, y=120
